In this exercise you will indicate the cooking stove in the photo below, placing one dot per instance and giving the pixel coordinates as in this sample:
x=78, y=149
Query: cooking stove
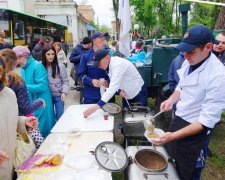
x=133, y=127
x=133, y=172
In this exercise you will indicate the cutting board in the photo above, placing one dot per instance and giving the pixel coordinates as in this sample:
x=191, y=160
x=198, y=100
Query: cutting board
x=73, y=118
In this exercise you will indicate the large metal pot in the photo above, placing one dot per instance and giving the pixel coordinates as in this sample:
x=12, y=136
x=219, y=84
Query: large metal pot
x=150, y=160
x=112, y=157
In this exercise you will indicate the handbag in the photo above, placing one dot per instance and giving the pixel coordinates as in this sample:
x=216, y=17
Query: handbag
x=25, y=148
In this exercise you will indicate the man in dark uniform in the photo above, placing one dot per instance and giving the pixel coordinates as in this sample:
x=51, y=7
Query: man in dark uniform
x=75, y=57
x=89, y=72
x=200, y=100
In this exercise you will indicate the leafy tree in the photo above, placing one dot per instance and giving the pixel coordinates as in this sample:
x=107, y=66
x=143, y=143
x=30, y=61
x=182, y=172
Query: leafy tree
x=220, y=23
x=104, y=28
x=115, y=8
x=204, y=14
x=158, y=17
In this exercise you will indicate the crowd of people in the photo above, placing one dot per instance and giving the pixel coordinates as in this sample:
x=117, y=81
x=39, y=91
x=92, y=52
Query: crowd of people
x=36, y=80
x=33, y=87
x=32, y=97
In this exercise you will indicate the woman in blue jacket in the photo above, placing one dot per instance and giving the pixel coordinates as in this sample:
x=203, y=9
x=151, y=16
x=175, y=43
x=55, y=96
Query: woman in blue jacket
x=36, y=80
x=17, y=84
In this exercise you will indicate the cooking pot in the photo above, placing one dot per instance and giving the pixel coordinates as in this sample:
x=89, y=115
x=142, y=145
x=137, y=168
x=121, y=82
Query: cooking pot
x=150, y=160
x=112, y=157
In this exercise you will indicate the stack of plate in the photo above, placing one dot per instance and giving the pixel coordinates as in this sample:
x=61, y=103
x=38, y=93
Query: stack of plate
x=81, y=167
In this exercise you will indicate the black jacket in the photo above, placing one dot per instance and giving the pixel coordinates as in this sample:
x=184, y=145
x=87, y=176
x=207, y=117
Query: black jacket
x=76, y=55
x=37, y=52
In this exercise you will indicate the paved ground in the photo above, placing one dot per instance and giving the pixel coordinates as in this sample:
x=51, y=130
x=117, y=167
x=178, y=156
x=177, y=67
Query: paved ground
x=73, y=95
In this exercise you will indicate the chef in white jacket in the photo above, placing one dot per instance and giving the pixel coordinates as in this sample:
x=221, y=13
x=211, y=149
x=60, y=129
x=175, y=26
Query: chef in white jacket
x=200, y=100
x=124, y=79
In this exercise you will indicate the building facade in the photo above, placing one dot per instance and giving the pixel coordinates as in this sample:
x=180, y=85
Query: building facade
x=87, y=11
x=12, y=4
x=63, y=12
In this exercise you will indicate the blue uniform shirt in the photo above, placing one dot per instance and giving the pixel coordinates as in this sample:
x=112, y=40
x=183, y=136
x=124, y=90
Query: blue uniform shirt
x=88, y=70
x=172, y=74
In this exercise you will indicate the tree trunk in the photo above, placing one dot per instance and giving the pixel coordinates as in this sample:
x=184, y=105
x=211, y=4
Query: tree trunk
x=215, y=16
x=220, y=23
x=115, y=8
x=173, y=4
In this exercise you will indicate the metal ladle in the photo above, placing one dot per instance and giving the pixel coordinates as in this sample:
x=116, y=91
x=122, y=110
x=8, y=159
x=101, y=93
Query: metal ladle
x=133, y=109
x=149, y=123
x=128, y=103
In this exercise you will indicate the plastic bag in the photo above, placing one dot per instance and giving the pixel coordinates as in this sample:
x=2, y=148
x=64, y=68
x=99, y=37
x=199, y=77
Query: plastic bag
x=25, y=148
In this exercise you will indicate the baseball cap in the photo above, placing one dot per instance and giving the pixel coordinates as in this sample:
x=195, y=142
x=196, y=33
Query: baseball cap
x=97, y=35
x=86, y=40
x=194, y=37
x=99, y=54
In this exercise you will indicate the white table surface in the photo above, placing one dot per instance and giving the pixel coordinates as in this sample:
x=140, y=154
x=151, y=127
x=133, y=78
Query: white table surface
x=79, y=144
x=75, y=145
x=73, y=118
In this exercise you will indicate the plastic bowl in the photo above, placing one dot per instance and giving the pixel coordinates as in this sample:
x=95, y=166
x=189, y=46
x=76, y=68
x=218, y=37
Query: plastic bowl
x=158, y=131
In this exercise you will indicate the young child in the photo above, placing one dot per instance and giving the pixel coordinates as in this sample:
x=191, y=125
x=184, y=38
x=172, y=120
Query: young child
x=57, y=77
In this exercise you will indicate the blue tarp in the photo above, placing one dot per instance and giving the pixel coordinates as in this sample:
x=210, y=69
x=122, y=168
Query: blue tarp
x=90, y=28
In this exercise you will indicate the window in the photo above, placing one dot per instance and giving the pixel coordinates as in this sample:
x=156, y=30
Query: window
x=4, y=24
x=19, y=33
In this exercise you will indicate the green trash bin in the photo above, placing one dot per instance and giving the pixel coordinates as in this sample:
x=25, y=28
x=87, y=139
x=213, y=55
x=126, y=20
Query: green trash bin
x=145, y=72
x=161, y=61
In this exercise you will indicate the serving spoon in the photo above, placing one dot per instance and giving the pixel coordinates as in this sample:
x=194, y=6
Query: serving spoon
x=149, y=123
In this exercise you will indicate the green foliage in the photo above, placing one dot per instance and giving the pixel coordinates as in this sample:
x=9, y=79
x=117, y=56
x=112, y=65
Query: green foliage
x=203, y=14
x=161, y=17
x=104, y=28
x=155, y=15
x=93, y=24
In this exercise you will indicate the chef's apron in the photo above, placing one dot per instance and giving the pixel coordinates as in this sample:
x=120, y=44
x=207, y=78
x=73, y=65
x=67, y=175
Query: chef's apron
x=185, y=151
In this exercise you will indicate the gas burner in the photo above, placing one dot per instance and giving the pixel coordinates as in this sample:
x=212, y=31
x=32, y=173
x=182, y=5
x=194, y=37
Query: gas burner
x=133, y=127
x=134, y=109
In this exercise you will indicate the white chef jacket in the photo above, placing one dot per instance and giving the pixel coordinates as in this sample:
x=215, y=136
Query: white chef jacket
x=202, y=92
x=124, y=76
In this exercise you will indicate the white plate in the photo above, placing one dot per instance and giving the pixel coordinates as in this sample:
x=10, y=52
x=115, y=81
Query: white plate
x=64, y=174
x=93, y=174
x=160, y=132
x=80, y=161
